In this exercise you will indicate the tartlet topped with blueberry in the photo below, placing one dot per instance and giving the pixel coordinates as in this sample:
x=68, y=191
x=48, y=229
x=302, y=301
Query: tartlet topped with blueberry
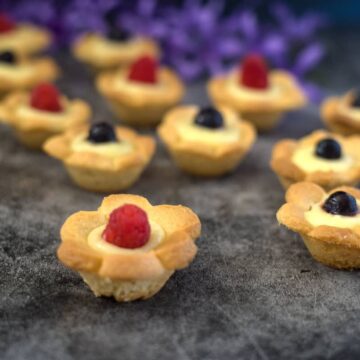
x=206, y=141
x=118, y=49
x=329, y=223
x=23, y=39
x=342, y=113
x=102, y=157
x=141, y=94
x=259, y=95
x=326, y=159
x=128, y=249
x=41, y=113
x=19, y=73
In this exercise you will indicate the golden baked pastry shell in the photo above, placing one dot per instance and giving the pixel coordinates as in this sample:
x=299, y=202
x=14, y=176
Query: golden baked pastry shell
x=15, y=41
x=141, y=108
x=263, y=113
x=330, y=245
x=289, y=173
x=100, y=173
x=130, y=275
x=43, y=70
x=336, y=120
x=83, y=51
x=34, y=129
x=203, y=159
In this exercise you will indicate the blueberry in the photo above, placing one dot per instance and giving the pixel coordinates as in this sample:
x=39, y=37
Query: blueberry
x=101, y=133
x=356, y=101
x=117, y=34
x=341, y=203
x=8, y=57
x=328, y=149
x=209, y=117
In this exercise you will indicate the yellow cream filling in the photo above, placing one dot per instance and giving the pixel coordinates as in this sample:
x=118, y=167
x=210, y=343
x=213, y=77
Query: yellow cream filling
x=316, y=216
x=246, y=93
x=137, y=87
x=111, y=149
x=305, y=159
x=96, y=241
x=104, y=47
x=24, y=111
x=15, y=71
x=194, y=133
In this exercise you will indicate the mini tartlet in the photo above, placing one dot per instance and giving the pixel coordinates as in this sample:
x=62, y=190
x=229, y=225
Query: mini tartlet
x=342, y=114
x=326, y=159
x=104, y=53
x=128, y=248
x=329, y=223
x=18, y=73
x=102, y=158
x=206, y=141
x=141, y=94
x=259, y=96
x=24, y=39
x=42, y=113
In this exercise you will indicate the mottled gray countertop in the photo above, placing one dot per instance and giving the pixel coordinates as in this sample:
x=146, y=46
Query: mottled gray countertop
x=253, y=291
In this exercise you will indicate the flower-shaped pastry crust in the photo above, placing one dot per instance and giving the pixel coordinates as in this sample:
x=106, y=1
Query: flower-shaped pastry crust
x=98, y=172
x=26, y=74
x=340, y=116
x=25, y=39
x=205, y=159
x=263, y=110
x=288, y=172
x=33, y=127
x=334, y=246
x=102, y=53
x=130, y=274
x=137, y=103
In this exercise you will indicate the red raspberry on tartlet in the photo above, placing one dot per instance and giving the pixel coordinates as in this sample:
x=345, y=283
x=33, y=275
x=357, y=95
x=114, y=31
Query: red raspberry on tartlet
x=253, y=72
x=46, y=97
x=6, y=23
x=144, y=70
x=128, y=227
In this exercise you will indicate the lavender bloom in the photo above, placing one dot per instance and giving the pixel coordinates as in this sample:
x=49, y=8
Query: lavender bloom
x=198, y=39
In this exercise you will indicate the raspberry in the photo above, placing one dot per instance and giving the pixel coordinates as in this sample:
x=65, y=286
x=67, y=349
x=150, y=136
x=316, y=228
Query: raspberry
x=128, y=227
x=253, y=72
x=6, y=23
x=144, y=70
x=46, y=97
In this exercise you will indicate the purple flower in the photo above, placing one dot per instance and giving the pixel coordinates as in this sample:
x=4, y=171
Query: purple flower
x=198, y=38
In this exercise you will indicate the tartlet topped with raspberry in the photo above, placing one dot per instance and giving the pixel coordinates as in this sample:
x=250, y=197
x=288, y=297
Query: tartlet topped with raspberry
x=128, y=248
x=23, y=39
x=118, y=49
x=255, y=92
x=206, y=141
x=101, y=157
x=21, y=73
x=41, y=113
x=141, y=93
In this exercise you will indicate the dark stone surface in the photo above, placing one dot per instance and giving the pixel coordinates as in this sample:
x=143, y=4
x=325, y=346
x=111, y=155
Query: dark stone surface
x=253, y=291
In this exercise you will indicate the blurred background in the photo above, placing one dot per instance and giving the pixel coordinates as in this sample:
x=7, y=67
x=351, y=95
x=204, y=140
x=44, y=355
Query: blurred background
x=202, y=38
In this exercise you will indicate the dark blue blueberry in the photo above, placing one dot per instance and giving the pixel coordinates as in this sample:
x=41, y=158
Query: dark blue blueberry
x=341, y=203
x=209, y=117
x=117, y=34
x=101, y=133
x=8, y=57
x=328, y=149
